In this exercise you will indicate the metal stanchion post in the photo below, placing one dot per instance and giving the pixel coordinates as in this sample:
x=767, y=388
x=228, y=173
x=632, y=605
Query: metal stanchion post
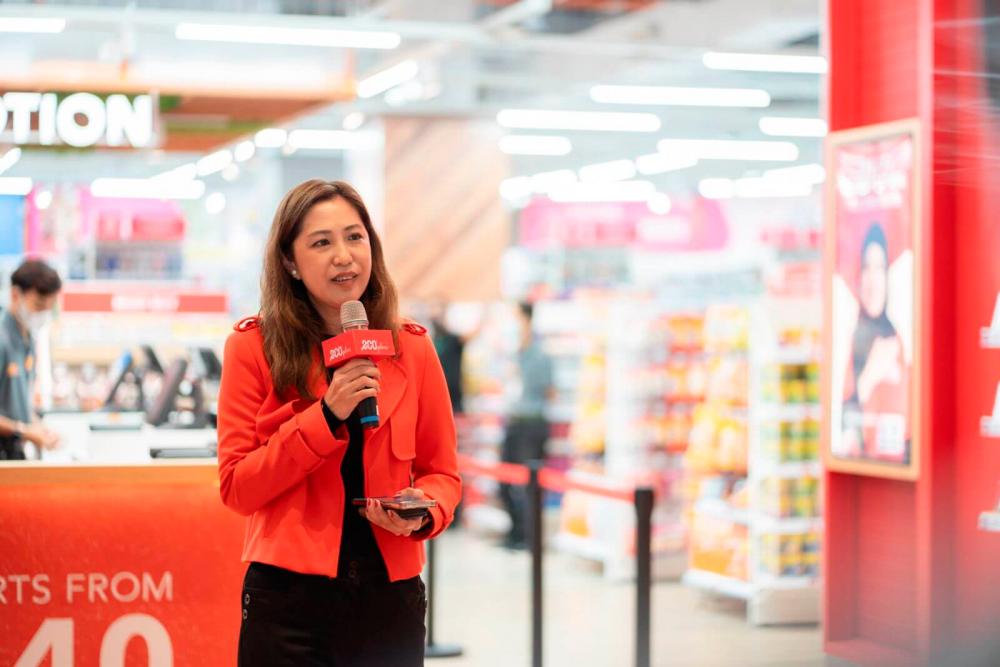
x=643, y=574
x=534, y=524
x=434, y=650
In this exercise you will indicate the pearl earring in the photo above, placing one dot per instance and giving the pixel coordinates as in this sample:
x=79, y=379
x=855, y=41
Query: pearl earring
x=295, y=274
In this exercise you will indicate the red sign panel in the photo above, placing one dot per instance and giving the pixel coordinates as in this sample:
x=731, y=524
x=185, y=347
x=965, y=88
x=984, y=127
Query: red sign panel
x=145, y=301
x=119, y=573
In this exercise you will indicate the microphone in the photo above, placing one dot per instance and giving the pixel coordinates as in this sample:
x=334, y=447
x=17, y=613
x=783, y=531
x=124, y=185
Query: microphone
x=354, y=318
x=356, y=341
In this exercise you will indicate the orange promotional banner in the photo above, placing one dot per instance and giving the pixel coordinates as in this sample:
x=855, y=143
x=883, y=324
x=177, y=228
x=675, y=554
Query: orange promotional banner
x=117, y=566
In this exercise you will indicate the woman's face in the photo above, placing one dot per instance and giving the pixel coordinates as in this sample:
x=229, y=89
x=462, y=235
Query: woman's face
x=873, y=280
x=332, y=255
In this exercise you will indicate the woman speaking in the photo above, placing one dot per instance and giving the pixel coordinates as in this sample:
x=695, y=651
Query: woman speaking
x=329, y=584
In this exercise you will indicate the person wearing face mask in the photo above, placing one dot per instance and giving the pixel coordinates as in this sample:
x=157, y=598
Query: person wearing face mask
x=34, y=289
x=876, y=396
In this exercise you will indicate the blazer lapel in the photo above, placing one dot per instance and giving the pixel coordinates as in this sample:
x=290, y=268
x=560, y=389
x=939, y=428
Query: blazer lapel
x=393, y=388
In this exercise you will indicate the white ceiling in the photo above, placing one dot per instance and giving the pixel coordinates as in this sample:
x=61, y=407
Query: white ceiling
x=527, y=55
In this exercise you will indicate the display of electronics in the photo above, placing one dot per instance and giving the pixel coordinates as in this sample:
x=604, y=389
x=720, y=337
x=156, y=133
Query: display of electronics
x=205, y=364
x=121, y=373
x=152, y=362
x=165, y=402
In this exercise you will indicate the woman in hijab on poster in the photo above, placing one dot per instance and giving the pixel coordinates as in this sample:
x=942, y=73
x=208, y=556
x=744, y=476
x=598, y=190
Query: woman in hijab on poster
x=876, y=391
x=329, y=584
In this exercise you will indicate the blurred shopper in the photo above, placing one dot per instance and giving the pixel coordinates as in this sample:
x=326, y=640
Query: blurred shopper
x=34, y=289
x=450, y=348
x=527, y=427
x=328, y=584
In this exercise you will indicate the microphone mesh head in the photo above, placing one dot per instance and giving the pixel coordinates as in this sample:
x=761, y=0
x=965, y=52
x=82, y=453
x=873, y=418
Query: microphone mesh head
x=352, y=314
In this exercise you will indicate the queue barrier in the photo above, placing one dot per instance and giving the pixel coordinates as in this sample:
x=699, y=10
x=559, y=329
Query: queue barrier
x=538, y=478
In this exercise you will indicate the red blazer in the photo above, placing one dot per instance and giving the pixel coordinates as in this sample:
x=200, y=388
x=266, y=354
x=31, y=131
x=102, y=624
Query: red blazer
x=279, y=465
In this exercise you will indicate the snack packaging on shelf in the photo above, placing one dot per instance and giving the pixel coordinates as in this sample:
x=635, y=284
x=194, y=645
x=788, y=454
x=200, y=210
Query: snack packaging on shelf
x=718, y=546
x=793, y=555
x=787, y=498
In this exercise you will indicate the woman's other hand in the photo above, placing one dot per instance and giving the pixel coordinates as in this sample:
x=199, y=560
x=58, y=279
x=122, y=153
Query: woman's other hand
x=391, y=521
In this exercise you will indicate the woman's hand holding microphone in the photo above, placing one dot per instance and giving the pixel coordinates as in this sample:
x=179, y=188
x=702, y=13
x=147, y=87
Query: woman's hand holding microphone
x=353, y=382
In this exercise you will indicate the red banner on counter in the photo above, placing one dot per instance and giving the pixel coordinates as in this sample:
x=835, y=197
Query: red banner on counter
x=145, y=300
x=116, y=572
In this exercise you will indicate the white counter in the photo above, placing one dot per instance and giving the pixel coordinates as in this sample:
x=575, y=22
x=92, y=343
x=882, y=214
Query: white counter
x=117, y=438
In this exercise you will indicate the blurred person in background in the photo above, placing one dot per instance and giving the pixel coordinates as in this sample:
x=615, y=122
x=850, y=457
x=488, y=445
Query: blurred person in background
x=527, y=426
x=450, y=348
x=329, y=584
x=33, y=293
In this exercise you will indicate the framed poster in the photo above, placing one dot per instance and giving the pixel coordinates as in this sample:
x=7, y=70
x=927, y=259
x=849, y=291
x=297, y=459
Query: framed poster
x=872, y=281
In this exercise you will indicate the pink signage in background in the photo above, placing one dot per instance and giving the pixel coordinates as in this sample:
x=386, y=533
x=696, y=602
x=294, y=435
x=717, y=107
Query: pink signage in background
x=545, y=223
x=133, y=220
x=75, y=217
x=53, y=228
x=691, y=225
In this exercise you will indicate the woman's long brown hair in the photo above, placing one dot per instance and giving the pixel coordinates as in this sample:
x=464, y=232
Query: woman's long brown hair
x=292, y=327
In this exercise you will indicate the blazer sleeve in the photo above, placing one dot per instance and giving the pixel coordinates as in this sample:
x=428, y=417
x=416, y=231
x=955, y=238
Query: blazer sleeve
x=252, y=471
x=435, y=468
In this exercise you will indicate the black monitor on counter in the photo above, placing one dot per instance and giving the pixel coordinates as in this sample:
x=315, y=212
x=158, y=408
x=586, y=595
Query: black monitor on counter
x=205, y=364
x=121, y=373
x=164, y=403
x=151, y=361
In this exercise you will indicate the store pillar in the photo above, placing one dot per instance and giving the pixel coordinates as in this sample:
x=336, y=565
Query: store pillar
x=907, y=565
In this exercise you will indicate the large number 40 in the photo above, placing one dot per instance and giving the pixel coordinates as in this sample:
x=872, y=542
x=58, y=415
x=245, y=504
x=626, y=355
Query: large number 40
x=56, y=634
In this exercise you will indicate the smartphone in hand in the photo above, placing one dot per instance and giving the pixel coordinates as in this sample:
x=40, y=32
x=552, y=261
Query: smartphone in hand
x=405, y=507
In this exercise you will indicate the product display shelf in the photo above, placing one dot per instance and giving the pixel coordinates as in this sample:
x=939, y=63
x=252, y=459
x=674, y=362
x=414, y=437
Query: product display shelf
x=717, y=458
x=602, y=529
x=787, y=525
x=784, y=471
x=718, y=584
x=720, y=509
x=771, y=582
x=791, y=411
x=490, y=371
x=788, y=469
x=642, y=445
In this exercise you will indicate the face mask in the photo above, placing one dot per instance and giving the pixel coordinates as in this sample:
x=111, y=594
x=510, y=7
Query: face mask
x=32, y=320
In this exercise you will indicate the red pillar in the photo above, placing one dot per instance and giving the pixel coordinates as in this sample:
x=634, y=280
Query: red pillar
x=909, y=576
